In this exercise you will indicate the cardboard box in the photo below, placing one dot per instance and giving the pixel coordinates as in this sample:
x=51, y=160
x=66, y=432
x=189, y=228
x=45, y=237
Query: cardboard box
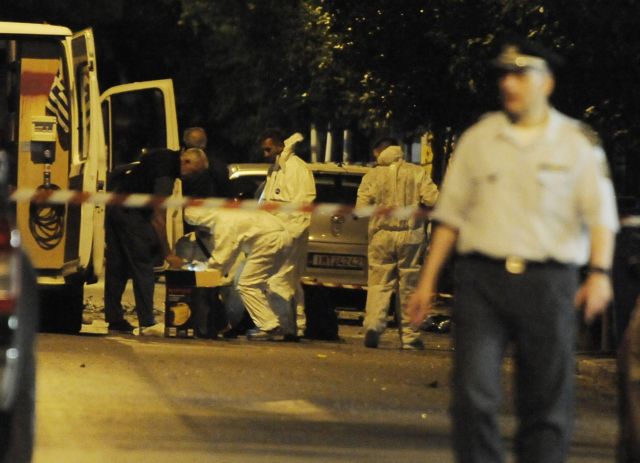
x=188, y=298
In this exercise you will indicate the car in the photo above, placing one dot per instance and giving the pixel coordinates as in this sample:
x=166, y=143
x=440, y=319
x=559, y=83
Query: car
x=334, y=269
x=18, y=325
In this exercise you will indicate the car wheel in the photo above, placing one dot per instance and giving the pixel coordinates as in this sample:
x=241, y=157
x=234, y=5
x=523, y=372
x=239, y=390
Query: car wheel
x=17, y=425
x=322, y=319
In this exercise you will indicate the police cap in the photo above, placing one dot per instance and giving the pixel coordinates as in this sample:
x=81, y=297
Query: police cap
x=520, y=55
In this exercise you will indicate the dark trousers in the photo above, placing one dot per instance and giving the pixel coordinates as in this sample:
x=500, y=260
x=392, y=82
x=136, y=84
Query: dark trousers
x=626, y=278
x=132, y=246
x=534, y=312
x=629, y=385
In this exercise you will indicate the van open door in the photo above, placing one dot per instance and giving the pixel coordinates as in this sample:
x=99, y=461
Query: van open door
x=142, y=116
x=88, y=158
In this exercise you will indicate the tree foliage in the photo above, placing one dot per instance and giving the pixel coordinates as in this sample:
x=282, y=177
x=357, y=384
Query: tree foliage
x=377, y=66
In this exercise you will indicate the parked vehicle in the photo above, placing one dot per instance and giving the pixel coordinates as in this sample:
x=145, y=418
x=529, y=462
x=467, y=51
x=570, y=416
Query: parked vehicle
x=60, y=133
x=18, y=323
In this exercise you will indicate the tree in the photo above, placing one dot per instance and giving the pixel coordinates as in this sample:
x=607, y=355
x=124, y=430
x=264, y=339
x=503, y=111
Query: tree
x=404, y=67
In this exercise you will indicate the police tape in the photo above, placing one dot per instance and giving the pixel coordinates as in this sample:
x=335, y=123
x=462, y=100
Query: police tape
x=43, y=196
x=630, y=221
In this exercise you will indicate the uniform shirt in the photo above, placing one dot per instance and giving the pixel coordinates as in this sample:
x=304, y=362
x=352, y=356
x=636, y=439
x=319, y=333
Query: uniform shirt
x=290, y=180
x=395, y=183
x=533, y=200
x=233, y=231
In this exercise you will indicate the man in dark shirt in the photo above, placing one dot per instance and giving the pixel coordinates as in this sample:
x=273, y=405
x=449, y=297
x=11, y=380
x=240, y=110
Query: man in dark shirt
x=136, y=237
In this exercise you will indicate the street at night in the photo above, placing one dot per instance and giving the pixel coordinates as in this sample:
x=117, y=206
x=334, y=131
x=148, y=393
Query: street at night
x=236, y=231
x=104, y=398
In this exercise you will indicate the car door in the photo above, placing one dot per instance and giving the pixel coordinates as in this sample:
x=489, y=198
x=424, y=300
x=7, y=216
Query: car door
x=140, y=116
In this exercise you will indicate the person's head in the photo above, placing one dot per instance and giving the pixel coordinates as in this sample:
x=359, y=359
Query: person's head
x=271, y=144
x=526, y=79
x=381, y=144
x=195, y=137
x=193, y=161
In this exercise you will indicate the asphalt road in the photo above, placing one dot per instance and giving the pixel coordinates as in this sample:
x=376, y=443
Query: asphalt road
x=104, y=398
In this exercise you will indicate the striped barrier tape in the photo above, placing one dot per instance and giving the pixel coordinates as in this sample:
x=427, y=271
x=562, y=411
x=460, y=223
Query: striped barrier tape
x=630, y=221
x=138, y=200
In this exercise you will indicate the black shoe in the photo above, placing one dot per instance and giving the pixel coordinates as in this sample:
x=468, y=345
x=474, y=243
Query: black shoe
x=260, y=335
x=371, y=339
x=121, y=326
x=291, y=338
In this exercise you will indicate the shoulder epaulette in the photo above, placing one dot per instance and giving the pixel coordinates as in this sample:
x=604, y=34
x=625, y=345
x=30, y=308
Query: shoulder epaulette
x=590, y=134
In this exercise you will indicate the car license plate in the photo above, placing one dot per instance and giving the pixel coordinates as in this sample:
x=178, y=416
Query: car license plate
x=340, y=261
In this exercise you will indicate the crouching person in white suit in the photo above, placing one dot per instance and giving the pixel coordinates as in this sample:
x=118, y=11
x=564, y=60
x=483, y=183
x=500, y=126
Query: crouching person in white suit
x=264, y=240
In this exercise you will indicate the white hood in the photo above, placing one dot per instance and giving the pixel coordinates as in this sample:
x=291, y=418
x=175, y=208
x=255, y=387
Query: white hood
x=390, y=155
x=289, y=145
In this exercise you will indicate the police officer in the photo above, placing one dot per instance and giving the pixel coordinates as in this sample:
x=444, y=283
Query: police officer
x=526, y=200
x=396, y=245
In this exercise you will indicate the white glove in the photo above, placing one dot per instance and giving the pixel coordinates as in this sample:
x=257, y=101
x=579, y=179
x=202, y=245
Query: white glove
x=197, y=266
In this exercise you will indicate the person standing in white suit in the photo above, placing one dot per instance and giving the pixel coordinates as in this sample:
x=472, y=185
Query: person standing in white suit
x=289, y=180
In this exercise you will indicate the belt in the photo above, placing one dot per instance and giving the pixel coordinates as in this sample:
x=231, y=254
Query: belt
x=516, y=265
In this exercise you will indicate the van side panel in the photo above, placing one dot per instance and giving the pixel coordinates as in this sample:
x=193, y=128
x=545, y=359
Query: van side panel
x=43, y=228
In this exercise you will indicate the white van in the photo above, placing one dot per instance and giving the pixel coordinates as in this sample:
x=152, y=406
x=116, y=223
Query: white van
x=61, y=133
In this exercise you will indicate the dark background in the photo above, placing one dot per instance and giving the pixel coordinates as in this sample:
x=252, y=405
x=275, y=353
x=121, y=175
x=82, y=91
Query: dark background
x=376, y=67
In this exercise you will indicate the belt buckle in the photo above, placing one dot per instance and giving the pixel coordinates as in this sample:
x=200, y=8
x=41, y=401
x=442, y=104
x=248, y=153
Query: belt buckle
x=515, y=265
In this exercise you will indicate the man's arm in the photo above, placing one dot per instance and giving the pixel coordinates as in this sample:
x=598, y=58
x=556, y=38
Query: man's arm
x=164, y=186
x=366, y=195
x=428, y=191
x=596, y=292
x=442, y=243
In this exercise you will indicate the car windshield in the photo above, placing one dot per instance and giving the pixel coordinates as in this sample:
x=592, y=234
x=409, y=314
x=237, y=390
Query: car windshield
x=330, y=187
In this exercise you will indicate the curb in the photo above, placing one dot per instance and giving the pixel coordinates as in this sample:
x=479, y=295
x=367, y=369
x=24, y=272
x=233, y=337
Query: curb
x=599, y=373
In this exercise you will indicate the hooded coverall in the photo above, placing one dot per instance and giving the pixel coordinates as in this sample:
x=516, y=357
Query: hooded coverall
x=396, y=245
x=290, y=181
x=262, y=237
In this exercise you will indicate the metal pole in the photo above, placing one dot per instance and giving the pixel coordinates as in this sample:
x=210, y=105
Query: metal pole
x=315, y=147
x=329, y=145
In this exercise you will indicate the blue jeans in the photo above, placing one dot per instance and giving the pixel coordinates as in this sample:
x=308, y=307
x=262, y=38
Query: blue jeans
x=534, y=312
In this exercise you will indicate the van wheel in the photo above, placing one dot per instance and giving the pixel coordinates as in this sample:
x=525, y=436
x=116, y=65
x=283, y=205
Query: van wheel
x=320, y=309
x=17, y=424
x=61, y=306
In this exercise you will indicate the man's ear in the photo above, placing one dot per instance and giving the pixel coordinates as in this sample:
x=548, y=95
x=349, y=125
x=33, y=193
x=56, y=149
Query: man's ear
x=550, y=84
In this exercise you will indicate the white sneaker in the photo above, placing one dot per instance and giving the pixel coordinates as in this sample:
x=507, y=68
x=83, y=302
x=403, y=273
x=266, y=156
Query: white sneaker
x=156, y=330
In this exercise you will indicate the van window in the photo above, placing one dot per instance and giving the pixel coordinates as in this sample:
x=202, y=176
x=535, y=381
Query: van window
x=138, y=122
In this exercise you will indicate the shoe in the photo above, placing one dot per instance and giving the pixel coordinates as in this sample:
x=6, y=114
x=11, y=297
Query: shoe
x=371, y=339
x=416, y=344
x=121, y=326
x=260, y=335
x=156, y=330
x=291, y=338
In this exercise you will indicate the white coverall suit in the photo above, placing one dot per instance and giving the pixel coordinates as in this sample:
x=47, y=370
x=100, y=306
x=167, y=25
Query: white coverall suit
x=265, y=241
x=396, y=246
x=290, y=181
